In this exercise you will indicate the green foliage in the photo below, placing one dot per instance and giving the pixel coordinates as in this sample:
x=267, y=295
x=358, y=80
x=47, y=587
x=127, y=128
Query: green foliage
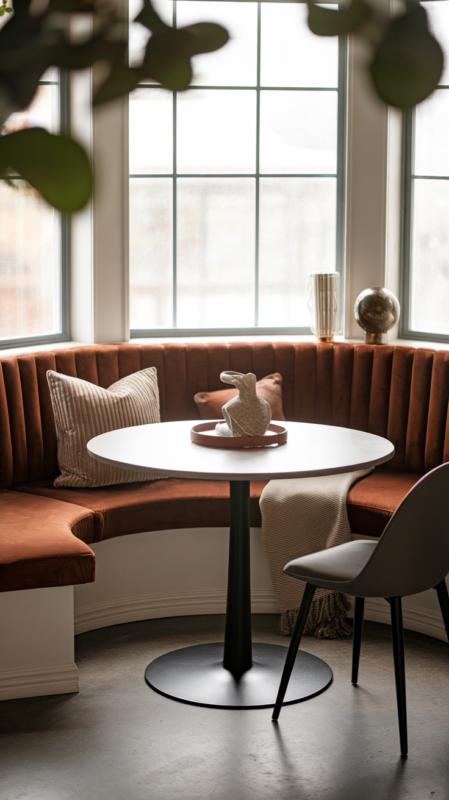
x=168, y=53
x=408, y=62
x=4, y=8
x=121, y=80
x=329, y=22
x=29, y=44
x=167, y=58
x=405, y=68
x=55, y=165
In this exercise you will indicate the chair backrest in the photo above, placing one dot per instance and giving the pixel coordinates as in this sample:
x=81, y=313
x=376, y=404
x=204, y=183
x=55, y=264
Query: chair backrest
x=413, y=552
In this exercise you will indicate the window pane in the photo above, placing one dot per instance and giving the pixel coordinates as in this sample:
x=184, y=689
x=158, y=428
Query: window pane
x=430, y=266
x=290, y=54
x=297, y=236
x=236, y=63
x=43, y=112
x=216, y=252
x=432, y=125
x=29, y=264
x=215, y=162
x=150, y=131
x=439, y=25
x=151, y=236
x=298, y=132
x=217, y=131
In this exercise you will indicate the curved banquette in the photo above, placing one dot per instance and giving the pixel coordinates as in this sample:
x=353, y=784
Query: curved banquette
x=397, y=392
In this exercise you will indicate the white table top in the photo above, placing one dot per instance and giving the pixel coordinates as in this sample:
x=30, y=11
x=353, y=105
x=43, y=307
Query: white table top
x=165, y=449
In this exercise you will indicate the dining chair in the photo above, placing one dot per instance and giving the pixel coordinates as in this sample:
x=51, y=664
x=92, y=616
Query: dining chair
x=411, y=556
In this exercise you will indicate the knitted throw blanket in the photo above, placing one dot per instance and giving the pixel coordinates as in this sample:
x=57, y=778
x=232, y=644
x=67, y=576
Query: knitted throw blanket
x=301, y=516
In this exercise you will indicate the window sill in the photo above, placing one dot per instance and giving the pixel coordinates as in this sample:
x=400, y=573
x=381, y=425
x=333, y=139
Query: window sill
x=206, y=339
x=38, y=348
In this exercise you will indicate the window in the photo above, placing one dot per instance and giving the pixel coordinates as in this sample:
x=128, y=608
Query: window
x=34, y=239
x=425, y=284
x=236, y=186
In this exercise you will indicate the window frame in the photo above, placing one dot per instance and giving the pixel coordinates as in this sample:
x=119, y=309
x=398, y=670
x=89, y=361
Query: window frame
x=65, y=334
x=174, y=332
x=405, y=274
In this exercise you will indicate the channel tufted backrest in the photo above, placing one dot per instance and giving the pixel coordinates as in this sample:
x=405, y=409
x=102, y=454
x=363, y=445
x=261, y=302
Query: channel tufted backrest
x=398, y=392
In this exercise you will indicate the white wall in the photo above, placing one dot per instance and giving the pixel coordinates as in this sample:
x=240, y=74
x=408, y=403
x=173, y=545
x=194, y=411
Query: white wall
x=37, y=643
x=166, y=573
x=100, y=232
x=373, y=210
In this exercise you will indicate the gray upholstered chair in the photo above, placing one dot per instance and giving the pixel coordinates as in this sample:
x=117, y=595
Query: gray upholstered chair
x=411, y=556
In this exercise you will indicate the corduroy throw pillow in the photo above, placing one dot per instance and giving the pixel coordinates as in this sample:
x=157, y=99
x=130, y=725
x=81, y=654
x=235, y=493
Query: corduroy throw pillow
x=83, y=410
x=270, y=388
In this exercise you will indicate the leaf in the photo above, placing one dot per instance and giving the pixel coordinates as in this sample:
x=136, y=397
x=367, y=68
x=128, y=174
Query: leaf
x=19, y=87
x=327, y=22
x=166, y=61
x=27, y=49
x=149, y=19
x=68, y=56
x=206, y=37
x=168, y=54
x=55, y=165
x=408, y=62
x=119, y=82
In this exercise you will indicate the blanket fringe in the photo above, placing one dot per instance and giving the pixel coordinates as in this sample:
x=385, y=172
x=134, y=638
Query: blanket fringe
x=326, y=620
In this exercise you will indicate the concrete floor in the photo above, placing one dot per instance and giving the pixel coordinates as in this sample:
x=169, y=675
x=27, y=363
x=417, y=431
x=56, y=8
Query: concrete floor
x=119, y=740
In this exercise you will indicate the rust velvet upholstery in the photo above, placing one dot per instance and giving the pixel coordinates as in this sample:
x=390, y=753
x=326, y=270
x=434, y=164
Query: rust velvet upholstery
x=401, y=393
x=43, y=543
x=373, y=500
x=398, y=392
x=156, y=506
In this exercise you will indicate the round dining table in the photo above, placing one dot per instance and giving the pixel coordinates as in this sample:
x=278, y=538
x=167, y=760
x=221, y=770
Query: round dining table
x=238, y=673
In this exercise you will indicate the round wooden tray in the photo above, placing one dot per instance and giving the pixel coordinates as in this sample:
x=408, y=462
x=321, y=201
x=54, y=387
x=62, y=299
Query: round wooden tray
x=204, y=433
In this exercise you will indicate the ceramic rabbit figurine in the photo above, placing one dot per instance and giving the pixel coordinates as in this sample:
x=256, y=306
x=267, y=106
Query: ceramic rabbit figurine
x=247, y=414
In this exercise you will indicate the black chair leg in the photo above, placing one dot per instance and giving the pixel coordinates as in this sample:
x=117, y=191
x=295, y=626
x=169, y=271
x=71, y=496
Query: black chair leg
x=443, y=597
x=357, y=631
x=309, y=591
x=399, y=669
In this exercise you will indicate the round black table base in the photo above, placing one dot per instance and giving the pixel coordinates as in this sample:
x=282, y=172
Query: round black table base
x=196, y=675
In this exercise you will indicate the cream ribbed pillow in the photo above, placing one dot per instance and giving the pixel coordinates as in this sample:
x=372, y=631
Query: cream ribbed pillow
x=83, y=410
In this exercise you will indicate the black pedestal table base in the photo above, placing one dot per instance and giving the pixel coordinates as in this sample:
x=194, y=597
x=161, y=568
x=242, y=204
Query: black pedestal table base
x=196, y=675
x=236, y=674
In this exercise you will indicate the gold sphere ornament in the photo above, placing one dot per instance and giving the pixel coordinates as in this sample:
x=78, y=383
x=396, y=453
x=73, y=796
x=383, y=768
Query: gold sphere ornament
x=376, y=311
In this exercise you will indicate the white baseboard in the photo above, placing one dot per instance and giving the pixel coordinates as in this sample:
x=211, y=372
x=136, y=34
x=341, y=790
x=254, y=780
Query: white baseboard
x=39, y=681
x=182, y=604
x=415, y=618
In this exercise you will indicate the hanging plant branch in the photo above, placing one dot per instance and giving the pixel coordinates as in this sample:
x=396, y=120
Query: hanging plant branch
x=405, y=67
x=407, y=61
x=34, y=39
x=57, y=166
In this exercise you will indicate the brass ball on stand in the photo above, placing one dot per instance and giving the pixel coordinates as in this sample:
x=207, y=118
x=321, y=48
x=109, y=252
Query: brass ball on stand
x=376, y=311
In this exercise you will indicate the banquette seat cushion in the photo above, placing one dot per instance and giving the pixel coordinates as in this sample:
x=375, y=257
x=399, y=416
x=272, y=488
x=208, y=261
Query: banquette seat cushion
x=174, y=503
x=43, y=543
x=155, y=506
x=400, y=393
x=372, y=501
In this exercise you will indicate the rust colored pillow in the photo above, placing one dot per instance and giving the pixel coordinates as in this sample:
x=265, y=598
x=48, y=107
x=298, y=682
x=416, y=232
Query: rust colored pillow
x=270, y=388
